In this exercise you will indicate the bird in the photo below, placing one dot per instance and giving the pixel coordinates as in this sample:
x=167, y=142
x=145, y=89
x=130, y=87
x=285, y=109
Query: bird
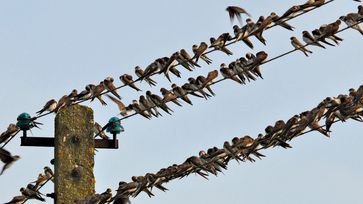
x=158, y=101
x=181, y=93
x=219, y=44
x=137, y=108
x=96, y=92
x=17, y=200
x=169, y=96
x=49, y=106
x=109, y=86
x=147, y=106
x=291, y=12
x=277, y=20
x=49, y=173
x=186, y=56
x=106, y=196
x=140, y=73
x=360, y=10
x=252, y=26
x=199, y=52
x=99, y=132
x=42, y=179
x=73, y=95
x=31, y=194
x=84, y=95
x=64, y=101
x=228, y=73
x=203, y=83
x=7, y=159
x=235, y=12
x=351, y=22
x=297, y=44
x=120, y=105
x=318, y=36
x=242, y=35
x=309, y=39
x=10, y=132
x=127, y=80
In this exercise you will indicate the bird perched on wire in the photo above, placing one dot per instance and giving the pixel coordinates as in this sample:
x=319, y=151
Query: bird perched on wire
x=199, y=52
x=236, y=12
x=7, y=158
x=298, y=45
x=99, y=132
x=127, y=80
x=49, y=106
x=140, y=73
x=350, y=21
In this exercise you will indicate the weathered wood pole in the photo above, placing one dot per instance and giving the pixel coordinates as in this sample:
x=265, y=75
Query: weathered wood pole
x=74, y=154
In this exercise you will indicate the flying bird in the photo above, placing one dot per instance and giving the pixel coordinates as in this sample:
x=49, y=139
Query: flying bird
x=7, y=159
x=236, y=12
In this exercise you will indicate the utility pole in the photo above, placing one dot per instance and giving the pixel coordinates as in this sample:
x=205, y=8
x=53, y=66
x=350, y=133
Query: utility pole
x=74, y=146
x=74, y=154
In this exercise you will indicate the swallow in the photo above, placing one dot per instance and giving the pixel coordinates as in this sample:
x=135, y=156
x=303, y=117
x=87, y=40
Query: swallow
x=219, y=44
x=194, y=85
x=145, y=105
x=73, y=95
x=170, y=66
x=262, y=24
x=7, y=159
x=318, y=36
x=358, y=95
x=360, y=10
x=253, y=28
x=49, y=106
x=351, y=22
x=255, y=63
x=199, y=52
x=140, y=73
x=106, y=196
x=235, y=12
x=99, y=132
x=228, y=73
x=309, y=39
x=158, y=101
x=202, y=83
x=124, y=111
x=31, y=194
x=186, y=56
x=10, y=132
x=84, y=95
x=291, y=12
x=169, y=96
x=181, y=93
x=49, y=173
x=109, y=86
x=240, y=35
x=311, y=4
x=183, y=61
x=277, y=21
x=96, y=92
x=329, y=31
x=151, y=69
x=142, y=184
x=241, y=71
x=210, y=77
x=64, y=101
x=41, y=180
x=228, y=149
x=191, y=89
x=297, y=45
x=137, y=108
x=17, y=200
x=199, y=163
x=127, y=80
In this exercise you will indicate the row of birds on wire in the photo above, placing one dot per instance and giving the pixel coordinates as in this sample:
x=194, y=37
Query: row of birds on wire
x=242, y=70
x=242, y=149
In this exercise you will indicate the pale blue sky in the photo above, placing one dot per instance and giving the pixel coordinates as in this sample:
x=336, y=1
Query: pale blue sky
x=48, y=48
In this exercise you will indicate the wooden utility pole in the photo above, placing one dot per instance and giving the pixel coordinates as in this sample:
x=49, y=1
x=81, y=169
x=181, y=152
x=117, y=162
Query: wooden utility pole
x=74, y=154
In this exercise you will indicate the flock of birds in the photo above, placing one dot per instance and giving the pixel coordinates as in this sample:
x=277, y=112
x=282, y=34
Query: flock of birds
x=242, y=70
x=241, y=149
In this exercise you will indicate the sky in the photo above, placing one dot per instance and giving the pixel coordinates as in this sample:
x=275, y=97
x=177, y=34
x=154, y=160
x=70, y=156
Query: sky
x=48, y=48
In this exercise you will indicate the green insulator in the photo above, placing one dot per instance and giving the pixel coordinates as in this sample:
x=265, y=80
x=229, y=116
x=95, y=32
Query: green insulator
x=115, y=126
